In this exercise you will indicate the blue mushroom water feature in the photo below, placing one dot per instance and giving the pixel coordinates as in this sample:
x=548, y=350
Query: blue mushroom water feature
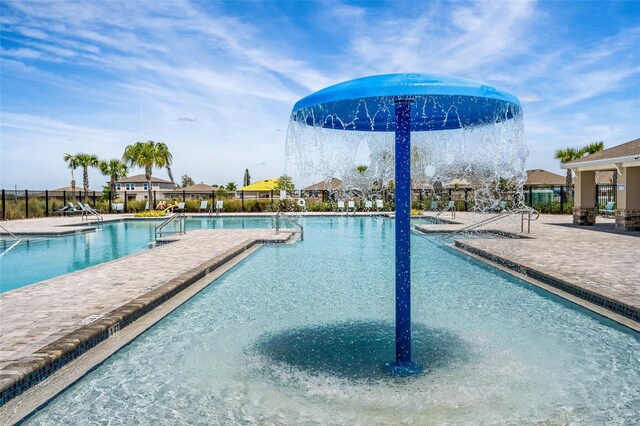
x=403, y=104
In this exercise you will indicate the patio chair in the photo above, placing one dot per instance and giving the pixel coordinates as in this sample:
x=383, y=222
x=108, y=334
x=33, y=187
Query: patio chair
x=609, y=210
x=117, y=208
x=367, y=205
x=434, y=206
x=351, y=205
x=74, y=209
x=379, y=205
x=146, y=206
x=181, y=207
x=303, y=204
x=340, y=205
x=219, y=206
x=203, y=205
x=61, y=211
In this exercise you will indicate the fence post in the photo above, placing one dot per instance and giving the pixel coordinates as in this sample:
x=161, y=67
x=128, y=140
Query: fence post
x=241, y=201
x=561, y=199
x=597, y=200
x=183, y=196
x=110, y=201
x=26, y=204
x=64, y=197
x=466, y=206
x=125, y=201
x=94, y=199
x=530, y=196
x=46, y=202
x=4, y=206
x=154, y=200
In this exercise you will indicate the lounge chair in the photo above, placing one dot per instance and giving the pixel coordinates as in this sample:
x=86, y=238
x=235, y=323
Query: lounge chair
x=203, y=205
x=61, y=211
x=609, y=210
x=379, y=205
x=181, y=207
x=219, y=206
x=117, y=208
x=367, y=205
x=351, y=205
x=340, y=205
x=434, y=206
x=73, y=209
x=146, y=206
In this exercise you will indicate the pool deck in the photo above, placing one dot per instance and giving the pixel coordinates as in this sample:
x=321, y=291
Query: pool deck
x=48, y=324
x=597, y=260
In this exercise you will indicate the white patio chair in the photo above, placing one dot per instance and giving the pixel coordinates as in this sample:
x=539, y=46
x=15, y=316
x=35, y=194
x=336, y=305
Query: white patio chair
x=379, y=205
x=203, y=205
x=340, y=205
x=351, y=205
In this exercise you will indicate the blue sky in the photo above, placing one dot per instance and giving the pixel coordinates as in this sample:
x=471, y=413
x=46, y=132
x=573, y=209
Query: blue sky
x=216, y=80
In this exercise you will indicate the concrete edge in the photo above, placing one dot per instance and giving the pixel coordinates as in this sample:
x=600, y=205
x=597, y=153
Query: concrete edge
x=55, y=355
x=617, y=311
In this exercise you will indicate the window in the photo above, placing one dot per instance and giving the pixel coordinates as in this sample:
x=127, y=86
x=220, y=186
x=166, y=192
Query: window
x=129, y=186
x=145, y=186
x=118, y=186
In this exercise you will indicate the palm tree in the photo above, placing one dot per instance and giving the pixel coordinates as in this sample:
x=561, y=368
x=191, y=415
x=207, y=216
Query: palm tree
x=163, y=151
x=116, y=170
x=566, y=155
x=570, y=154
x=85, y=161
x=73, y=164
x=147, y=155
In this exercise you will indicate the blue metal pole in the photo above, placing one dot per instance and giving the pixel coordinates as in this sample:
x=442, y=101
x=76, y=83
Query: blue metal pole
x=403, y=242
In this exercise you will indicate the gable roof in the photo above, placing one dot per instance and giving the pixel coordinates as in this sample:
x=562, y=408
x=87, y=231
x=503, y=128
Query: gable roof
x=197, y=188
x=261, y=185
x=322, y=186
x=629, y=149
x=141, y=178
x=543, y=177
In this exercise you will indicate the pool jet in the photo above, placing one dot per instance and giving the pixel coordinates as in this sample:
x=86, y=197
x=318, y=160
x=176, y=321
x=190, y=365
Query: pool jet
x=403, y=103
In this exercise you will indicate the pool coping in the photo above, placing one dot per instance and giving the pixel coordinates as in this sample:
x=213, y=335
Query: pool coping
x=71, y=346
x=604, y=305
x=24, y=406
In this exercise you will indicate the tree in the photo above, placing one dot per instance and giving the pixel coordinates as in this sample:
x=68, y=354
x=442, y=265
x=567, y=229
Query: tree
x=163, y=151
x=247, y=178
x=116, y=170
x=221, y=192
x=231, y=186
x=186, y=181
x=73, y=164
x=147, y=155
x=85, y=161
x=361, y=169
x=570, y=154
x=285, y=183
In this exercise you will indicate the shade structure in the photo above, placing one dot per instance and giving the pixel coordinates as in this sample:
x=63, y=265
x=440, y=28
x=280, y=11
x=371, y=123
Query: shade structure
x=438, y=103
x=405, y=103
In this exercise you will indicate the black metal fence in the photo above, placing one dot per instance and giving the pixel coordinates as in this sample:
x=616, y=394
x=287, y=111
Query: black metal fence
x=23, y=203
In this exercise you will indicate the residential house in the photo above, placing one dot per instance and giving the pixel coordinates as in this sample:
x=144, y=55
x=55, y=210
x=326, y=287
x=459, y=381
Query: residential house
x=135, y=188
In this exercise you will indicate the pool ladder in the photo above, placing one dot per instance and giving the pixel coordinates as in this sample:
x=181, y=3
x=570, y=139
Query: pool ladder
x=181, y=225
x=525, y=215
x=278, y=218
x=12, y=245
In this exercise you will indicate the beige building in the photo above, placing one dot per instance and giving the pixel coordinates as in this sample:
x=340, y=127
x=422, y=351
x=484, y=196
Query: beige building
x=135, y=187
x=625, y=159
x=199, y=191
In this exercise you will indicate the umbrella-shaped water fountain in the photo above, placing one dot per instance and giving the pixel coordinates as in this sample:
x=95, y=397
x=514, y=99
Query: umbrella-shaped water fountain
x=402, y=104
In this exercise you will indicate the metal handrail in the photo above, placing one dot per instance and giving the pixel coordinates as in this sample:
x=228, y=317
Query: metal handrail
x=451, y=208
x=181, y=230
x=291, y=220
x=522, y=211
x=12, y=245
x=88, y=210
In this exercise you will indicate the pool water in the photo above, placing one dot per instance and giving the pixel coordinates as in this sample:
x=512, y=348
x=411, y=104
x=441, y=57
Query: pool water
x=38, y=259
x=299, y=334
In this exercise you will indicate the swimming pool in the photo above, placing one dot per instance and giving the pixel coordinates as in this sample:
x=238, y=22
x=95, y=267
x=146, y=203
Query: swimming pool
x=37, y=259
x=298, y=334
